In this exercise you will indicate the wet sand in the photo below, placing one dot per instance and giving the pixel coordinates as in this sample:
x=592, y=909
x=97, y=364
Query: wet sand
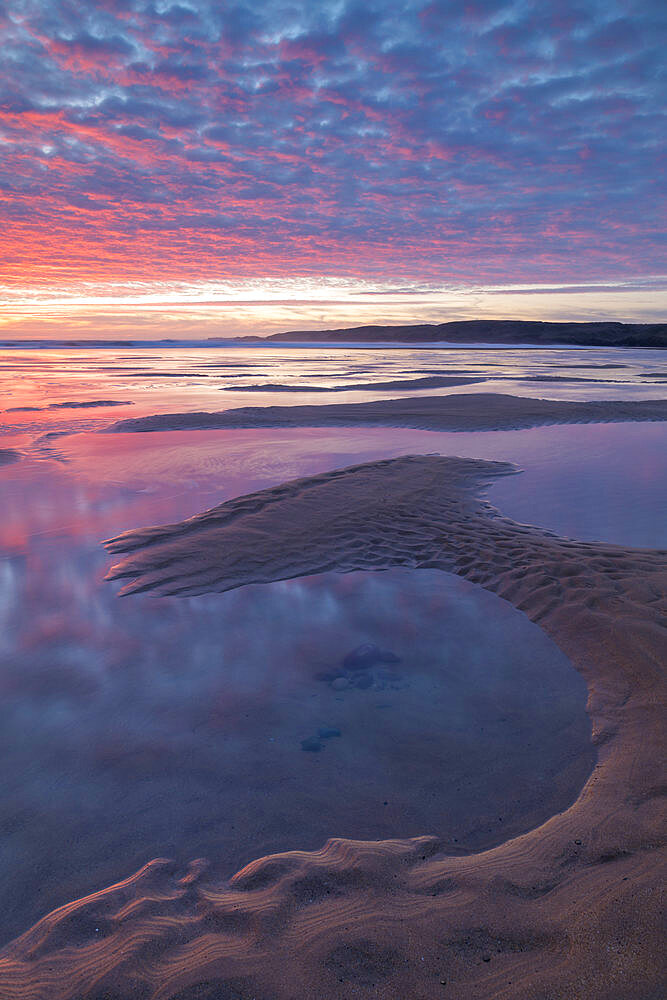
x=464, y=412
x=570, y=909
x=73, y=404
x=429, y=382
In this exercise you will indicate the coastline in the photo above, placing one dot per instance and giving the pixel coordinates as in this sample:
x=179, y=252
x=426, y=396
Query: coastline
x=487, y=333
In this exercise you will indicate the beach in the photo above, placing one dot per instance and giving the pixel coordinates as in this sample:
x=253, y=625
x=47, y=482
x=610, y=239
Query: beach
x=568, y=909
x=567, y=906
x=333, y=548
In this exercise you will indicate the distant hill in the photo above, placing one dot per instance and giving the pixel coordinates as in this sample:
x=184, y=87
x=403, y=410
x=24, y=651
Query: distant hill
x=494, y=331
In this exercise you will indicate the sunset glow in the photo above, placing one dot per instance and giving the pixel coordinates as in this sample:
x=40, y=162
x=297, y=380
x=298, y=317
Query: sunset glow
x=227, y=169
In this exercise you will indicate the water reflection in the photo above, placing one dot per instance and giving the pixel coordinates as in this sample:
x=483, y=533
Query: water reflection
x=163, y=379
x=240, y=724
x=235, y=725
x=596, y=482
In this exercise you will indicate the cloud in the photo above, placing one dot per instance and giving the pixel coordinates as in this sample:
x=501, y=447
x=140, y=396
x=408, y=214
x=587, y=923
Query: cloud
x=488, y=142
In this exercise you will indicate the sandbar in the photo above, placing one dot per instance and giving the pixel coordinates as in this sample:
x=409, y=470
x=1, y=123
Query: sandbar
x=462, y=412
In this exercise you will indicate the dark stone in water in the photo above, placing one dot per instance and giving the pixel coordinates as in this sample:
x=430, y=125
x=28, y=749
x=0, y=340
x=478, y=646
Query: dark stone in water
x=363, y=681
x=311, y=744
x=368, y=655
x=326, y=732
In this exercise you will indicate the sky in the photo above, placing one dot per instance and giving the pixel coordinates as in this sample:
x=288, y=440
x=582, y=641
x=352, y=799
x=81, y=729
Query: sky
x=201, y=168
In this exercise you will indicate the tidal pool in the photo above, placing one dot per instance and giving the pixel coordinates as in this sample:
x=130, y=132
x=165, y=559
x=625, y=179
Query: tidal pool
x=368, y=705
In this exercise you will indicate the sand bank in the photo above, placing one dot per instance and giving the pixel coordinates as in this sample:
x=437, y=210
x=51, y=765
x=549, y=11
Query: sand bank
x=428, y=382
x=465, y=412
x=72, y=404
x=570, y=909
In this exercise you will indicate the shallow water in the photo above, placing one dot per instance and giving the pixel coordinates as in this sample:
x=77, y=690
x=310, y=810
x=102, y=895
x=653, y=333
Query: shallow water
x=146, y=381
x=143, y=727
x=241, y=724
x=595, y=482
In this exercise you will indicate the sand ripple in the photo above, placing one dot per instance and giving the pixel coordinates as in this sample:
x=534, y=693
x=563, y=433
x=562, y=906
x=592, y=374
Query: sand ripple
x=568, y=910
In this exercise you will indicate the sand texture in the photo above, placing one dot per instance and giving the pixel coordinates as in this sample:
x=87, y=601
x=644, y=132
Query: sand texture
x=569, y=910
x=465, y=412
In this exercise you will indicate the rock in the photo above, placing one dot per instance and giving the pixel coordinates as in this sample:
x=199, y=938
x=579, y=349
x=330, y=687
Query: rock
x=327, y=732
x=311, y=744
x=340, y=683
x=368, y=655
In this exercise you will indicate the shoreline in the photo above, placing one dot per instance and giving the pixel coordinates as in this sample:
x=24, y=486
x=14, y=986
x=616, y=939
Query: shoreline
x=568, y=909
x=482, y=333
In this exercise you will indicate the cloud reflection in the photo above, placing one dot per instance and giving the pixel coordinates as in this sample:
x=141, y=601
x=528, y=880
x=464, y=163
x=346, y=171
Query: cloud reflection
x=131, y=729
